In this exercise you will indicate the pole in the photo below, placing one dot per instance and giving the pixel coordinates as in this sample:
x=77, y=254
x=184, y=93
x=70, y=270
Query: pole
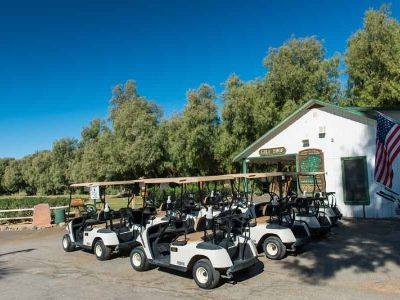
x=245, y=170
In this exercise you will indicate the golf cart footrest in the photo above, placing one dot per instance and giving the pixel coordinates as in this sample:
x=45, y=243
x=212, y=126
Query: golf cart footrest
x=125, y=245
x=241, y=264
x=298, y=244
x=320, y=231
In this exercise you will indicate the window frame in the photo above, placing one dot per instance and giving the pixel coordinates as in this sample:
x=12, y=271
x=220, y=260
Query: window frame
x=347, y=201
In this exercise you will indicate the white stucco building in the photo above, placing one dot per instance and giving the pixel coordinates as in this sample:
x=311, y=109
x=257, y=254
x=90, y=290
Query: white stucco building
x=346, y=139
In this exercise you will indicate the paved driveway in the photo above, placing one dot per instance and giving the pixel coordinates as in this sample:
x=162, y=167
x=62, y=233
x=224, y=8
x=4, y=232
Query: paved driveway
x=359, y=260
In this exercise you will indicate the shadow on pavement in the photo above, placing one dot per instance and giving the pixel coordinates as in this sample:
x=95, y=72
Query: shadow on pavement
x=251, y=272
x=362, y=245
x=239, y=276
x=17, y=251
x=5, y=270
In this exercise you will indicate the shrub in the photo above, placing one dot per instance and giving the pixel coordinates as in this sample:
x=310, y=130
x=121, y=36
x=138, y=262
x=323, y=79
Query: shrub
x=13, y=202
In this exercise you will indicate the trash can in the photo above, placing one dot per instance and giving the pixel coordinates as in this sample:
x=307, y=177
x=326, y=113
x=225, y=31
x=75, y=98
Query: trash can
x=59, y=215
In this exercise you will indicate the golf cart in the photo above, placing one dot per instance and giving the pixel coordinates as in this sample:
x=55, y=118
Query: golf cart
x=212, y=246
x=105, y=231
x=320, y=200
x=275, y=231
x=289, y=209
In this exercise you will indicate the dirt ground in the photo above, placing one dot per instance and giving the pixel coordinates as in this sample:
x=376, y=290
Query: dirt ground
x=359, y=260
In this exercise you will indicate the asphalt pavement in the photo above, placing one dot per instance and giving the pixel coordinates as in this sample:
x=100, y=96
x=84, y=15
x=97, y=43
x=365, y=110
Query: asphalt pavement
x=360, y=259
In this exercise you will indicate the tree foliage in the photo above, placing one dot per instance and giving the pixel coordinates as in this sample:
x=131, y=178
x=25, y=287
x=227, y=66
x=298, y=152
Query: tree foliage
x=192, y=135
x=298, y=72
x=136, y=148
x=240, y=119
x=4, y=162
x=373, y=61
x=12, y=178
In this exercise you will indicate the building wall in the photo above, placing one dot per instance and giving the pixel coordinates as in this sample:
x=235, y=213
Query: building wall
x=343, y=138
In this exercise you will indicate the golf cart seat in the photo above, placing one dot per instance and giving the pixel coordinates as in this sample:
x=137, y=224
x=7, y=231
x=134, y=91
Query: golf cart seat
x=200, y=226
x=161, y=211
x=77, y=202
x=259, y=209
x=163, y=207
x=265, y=215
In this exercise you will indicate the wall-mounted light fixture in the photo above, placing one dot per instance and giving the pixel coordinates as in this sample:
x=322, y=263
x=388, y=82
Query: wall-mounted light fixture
x=321, y=132
x=306, y=143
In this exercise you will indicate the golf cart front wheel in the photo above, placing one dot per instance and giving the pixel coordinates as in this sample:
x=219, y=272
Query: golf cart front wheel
x=139, y=260
x=274, y=248
x=205, y=275
x=101, y=251
x=67, y=244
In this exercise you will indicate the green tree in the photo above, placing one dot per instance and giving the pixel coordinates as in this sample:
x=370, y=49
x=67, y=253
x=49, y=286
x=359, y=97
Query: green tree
x=12, y=179
x=92, y=158
x=122, y=94
x=373, y=61
x=4, y=162
x=239, y=128
x=193, y=134
x=137, y=146
x=173, y=163
x=62, y=156
x=298, y=72
x=93, y=131
x=35, y=170
x=92, y=161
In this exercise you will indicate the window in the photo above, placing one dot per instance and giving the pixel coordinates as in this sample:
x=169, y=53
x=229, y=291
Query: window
x=355, y=180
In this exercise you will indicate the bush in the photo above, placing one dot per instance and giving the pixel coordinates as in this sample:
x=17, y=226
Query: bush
x=13, y=202
x=29, y=202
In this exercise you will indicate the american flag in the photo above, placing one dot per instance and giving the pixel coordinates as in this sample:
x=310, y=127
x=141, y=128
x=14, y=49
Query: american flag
x=387, y=148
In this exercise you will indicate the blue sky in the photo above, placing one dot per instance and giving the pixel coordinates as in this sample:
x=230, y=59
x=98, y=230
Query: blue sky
x=60, y=59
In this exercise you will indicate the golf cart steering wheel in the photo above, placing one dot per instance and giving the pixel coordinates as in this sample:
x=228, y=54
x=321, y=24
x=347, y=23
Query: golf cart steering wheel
x=273, y=195
x=90, y=209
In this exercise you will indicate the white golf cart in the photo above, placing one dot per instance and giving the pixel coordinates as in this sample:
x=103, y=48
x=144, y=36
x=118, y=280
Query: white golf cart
x=106, y=231
x=211, y=247
x=275, y=231
x=304, y=206
x=321, y=201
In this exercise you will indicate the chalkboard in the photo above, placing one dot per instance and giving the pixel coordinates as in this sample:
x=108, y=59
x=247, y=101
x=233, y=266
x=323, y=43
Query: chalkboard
x=311, y=160
x=355, y=180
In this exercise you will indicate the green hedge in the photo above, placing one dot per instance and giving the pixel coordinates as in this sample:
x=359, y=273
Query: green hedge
x=28, y=202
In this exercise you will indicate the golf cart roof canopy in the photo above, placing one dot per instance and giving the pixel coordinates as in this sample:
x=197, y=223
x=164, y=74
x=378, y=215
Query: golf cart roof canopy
x=184, y=180
x=160, y=180
x=106, y=183
x=275, y=174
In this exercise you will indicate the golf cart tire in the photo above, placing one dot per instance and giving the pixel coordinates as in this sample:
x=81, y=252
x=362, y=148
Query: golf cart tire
x=212, y=277
x=274, y=248
x=139, y=260
x=101, y=251
x=67, y=244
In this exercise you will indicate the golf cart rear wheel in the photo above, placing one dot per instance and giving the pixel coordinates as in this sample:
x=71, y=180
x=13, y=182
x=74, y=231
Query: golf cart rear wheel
x=274, y=248
x=101, y=251
x=139, y=260
x=205, y=275
x=67, y=244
